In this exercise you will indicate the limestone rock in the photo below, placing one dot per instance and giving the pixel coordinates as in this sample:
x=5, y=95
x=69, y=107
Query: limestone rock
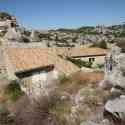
x=105, y=84
x=12, y=34
x=34, y=36
x=115, y=67
x=116, y=107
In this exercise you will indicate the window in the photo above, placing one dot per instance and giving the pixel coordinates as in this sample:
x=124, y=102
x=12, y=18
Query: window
x=91, y=59
x=12, y=24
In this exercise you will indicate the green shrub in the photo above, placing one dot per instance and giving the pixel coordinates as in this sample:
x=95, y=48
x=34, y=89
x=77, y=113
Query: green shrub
x=100, y=66
x=101, y=44
x=63, y=78
x=80, y=63
x=13, y=90
x=5, y=15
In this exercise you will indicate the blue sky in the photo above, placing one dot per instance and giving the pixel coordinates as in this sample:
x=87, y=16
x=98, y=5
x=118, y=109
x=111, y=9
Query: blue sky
x=44, y=14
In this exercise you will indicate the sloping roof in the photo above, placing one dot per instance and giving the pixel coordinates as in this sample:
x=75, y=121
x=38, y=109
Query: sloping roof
x=24, y=59
x=87, y=52
x=80, y=51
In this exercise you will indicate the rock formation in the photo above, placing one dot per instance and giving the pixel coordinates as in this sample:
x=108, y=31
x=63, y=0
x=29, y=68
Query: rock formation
x=12, y=35
x=115, y=73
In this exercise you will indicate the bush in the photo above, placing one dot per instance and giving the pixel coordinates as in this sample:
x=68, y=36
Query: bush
x=100, y=66
x=13, y=90
x=101, y=44
x=25, y=39
x=5, y=15
x=80, y=63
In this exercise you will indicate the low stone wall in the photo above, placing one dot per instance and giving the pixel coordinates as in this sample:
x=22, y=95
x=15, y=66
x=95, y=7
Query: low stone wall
x=25, y=45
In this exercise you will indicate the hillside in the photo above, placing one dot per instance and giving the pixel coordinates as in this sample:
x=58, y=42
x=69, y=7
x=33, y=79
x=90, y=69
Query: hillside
x=61, y=76
x=62, y=37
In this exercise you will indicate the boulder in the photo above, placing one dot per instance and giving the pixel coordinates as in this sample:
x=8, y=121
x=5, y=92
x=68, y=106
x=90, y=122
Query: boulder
x=34, y=37
x=105, y=84
x=12, y=34
x=105, y=122
x=116, y=108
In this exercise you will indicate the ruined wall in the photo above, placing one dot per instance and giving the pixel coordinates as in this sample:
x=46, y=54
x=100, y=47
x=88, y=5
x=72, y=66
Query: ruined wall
x=10, y=69
x=97, y=59
x=115, y=67
x=2, y=61
x=39, y=83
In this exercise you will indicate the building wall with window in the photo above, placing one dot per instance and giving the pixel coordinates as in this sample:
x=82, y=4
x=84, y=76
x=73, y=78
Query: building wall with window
x=39, y=83
x=94, y=59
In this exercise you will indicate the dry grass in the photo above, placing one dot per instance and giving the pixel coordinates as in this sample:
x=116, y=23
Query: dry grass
x=80, y=80
x=61, y=109
x=93, y=96
x=88, y=77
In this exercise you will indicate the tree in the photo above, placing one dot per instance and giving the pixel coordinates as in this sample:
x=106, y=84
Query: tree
x=5, y=15
x=103, y=45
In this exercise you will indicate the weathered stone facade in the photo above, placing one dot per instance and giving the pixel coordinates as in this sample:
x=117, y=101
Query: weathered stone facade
x=115, y=73
x=40, y=83
x=115, y=67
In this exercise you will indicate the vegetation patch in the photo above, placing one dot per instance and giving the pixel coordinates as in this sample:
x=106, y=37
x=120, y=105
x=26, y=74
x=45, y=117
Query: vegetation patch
x=60, y=109
x=13, y=91
x=80, y=63
x=80, y=80
x=102, y=44
x=63, y=79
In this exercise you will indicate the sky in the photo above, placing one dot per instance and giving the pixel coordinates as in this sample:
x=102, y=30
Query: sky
x=49, y=14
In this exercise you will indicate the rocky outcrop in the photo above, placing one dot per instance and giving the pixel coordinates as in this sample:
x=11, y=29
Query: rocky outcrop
x=117, y=108
x=115, y=73
x=12, y=35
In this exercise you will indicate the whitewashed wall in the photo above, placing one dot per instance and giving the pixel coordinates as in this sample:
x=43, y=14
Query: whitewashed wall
x=98, y=59
x=40, y=83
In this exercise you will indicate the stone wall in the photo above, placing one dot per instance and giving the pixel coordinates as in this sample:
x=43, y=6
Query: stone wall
x=97, y=59
x=115, y=73
x=40, y=83
x=14, y=44
x=115, y=67
x=2, y=61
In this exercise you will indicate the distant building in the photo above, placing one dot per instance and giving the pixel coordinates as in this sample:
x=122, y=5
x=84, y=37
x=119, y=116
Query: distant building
x=6, y=23
x=103, y=29
x=95, y=55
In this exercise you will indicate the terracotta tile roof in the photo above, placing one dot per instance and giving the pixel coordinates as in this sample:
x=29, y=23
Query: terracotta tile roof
x=30, y=58
x=76, y=52
x=87, y=51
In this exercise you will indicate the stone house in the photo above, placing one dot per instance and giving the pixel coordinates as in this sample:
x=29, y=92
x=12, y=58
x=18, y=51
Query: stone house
x=36, y=68
x=94, y=54
x=7, y=23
